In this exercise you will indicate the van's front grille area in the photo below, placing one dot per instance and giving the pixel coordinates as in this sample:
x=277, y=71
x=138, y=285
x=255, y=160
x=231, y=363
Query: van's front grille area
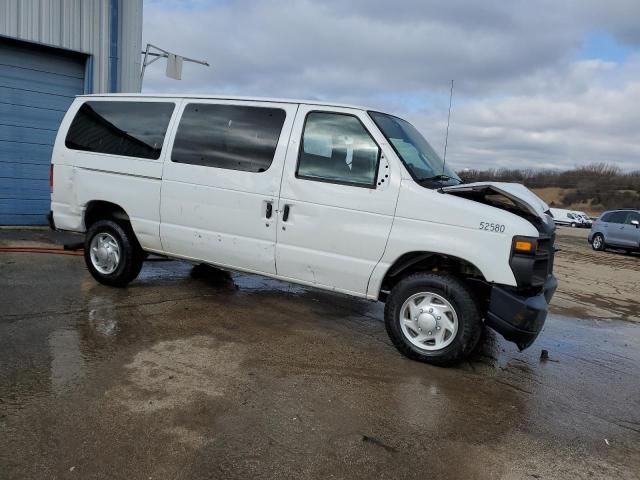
x=543, y=263
x=532, y=271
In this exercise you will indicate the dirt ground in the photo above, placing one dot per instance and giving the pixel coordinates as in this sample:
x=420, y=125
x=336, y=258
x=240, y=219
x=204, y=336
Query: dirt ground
x=595, y=284
x=194, y=373
x=551, y=195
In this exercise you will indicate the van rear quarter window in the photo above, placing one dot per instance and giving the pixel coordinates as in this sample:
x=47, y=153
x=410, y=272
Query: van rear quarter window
x=233, y=137
x=131, y=129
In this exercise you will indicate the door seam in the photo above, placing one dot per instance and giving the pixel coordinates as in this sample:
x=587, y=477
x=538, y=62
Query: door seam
x=277, y=210
x=386, y=243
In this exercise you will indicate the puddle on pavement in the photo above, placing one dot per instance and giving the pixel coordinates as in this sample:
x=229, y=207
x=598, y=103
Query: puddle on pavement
x=173, y=373
x=67, y=362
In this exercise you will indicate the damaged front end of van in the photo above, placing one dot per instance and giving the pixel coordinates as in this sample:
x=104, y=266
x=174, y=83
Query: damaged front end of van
x=518, y=313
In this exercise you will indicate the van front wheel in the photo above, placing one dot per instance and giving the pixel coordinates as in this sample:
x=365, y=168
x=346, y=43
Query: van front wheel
x=433, y=318
x=112, y=253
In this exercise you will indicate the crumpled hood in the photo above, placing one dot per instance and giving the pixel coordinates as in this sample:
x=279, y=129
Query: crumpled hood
x=520, y=195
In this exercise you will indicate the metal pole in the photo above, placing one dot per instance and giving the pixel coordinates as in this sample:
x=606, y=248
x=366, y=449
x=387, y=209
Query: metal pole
x=144, y=66
x=446, y=138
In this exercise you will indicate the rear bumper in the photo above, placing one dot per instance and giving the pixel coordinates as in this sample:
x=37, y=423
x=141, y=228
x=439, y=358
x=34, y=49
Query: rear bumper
x=518, y=318
x=50, y=221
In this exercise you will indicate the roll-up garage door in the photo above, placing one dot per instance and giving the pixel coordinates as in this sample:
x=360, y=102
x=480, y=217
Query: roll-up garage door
x=37, y=85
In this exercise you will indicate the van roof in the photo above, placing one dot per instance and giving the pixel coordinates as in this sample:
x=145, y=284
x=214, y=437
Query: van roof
x=226, y=97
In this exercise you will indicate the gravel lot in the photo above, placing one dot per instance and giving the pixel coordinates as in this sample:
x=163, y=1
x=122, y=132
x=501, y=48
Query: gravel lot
x=595, y=284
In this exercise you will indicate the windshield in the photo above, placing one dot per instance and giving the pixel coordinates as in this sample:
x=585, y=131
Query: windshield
x=414, y=151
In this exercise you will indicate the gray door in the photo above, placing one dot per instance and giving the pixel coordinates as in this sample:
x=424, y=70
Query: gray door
x=630, y=235
x=614, y=228
x=37, y=85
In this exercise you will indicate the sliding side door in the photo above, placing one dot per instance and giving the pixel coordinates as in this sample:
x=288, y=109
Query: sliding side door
x=221, y=183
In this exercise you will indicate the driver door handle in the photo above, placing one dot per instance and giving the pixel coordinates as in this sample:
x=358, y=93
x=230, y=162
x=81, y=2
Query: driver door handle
x=285, y=213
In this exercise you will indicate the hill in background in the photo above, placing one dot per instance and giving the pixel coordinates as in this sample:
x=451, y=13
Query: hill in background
x=592, y=189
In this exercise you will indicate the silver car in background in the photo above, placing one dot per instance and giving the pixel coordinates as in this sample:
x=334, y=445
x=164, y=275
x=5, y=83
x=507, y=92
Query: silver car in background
x=616, y=229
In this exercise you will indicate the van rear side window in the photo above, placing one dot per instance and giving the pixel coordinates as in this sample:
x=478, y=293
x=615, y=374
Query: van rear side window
x=228, y=136
x=131, y=129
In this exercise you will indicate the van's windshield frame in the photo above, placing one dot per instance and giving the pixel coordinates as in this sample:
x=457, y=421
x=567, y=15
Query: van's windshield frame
x=432, y=171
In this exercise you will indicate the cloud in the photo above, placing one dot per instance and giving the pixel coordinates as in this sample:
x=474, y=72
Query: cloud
x=559, y=128
x=519, y=87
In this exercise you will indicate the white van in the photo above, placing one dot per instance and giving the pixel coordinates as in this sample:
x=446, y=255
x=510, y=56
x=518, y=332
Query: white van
x=586, y=219
x=329, y=196
x=567, y=217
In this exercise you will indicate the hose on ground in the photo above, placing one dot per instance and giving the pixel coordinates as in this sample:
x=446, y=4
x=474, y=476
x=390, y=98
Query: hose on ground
x=49, y=250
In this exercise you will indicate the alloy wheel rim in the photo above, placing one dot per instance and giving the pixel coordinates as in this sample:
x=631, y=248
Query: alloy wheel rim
x=596, y=241
x=428, y=321
x=105, y=253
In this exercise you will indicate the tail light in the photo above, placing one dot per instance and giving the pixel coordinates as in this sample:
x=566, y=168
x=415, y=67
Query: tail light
x=51, y=178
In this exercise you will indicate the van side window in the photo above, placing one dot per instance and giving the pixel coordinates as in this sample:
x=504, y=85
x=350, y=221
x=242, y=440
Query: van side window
x=131, y=129
x=337, y=148
x=228, y=136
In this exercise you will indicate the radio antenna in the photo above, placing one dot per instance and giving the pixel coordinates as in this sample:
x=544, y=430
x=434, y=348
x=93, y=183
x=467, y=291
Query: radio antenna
x=446, y=138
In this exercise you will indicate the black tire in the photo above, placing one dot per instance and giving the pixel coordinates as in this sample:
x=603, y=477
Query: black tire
x=598, y=245
x=131, y=254
x=456, y=293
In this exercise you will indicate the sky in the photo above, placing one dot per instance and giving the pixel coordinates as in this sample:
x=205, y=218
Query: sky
x=537, y=83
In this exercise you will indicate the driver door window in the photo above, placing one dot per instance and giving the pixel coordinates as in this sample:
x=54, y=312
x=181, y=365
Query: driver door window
x=337, y=148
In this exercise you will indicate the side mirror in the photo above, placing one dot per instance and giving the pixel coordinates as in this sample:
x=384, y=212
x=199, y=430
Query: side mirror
x=636, y=223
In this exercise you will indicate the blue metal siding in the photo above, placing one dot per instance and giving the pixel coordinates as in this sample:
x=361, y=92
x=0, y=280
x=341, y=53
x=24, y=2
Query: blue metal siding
x=37, y=85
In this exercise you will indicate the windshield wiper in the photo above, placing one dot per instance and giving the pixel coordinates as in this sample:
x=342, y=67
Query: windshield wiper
x=440, y=177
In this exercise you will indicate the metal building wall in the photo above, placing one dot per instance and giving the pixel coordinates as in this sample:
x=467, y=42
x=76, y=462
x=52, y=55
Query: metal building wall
x=84, y=26
x=130, y=45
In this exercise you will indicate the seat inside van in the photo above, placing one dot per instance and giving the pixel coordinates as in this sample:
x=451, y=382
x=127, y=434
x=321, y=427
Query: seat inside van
x=345, y=163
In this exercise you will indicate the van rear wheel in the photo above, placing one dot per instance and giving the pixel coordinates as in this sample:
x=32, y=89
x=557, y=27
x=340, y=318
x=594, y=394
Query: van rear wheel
x=433, y=318
x=112, y=253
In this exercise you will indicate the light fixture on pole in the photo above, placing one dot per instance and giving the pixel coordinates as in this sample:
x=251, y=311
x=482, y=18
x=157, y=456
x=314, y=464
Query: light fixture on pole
x=174, y=62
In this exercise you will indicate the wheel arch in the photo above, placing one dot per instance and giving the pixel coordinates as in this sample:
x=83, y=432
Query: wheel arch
x=103, y=210
x=424, y=261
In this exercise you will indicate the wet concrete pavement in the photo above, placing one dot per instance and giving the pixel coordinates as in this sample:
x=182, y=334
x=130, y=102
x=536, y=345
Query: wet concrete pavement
x=199, y=374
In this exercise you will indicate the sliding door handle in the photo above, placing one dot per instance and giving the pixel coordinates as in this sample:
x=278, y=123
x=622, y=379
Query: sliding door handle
x=285, y=213
x=269, y=210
